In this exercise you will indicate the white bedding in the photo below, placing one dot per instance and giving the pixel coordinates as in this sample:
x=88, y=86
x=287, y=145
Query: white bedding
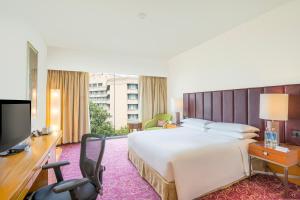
x=197, y=161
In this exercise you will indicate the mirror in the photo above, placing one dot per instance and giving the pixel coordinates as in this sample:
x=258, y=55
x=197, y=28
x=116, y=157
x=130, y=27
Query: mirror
x=32, y=56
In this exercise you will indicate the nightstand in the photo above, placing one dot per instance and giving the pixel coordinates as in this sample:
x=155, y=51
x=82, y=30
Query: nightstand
x=283, y=159
x=171, y=126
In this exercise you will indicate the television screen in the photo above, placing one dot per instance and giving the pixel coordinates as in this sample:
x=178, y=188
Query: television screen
x=15, y=122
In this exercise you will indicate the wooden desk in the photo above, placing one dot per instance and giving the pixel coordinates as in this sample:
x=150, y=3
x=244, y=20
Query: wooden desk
x=22, y=172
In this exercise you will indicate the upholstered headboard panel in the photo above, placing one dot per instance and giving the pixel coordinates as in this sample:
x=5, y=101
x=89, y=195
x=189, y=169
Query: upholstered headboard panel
x=240, y=106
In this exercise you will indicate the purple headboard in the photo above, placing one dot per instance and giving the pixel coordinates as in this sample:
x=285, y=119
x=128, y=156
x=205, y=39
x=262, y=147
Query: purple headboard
x=242, y=106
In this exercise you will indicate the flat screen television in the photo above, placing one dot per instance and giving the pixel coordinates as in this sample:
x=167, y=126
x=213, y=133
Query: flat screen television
x=15, y=123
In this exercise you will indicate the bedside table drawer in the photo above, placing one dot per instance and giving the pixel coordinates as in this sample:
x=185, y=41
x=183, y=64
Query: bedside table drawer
x=170, y=126
x=266, y=155
x=287, y=159
x=279, y=158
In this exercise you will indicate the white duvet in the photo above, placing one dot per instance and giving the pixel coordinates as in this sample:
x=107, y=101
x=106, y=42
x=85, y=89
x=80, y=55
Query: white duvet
x=198, y=162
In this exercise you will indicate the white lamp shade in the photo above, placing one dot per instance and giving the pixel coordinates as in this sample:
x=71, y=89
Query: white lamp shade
x=178, y=105
x=274, y=107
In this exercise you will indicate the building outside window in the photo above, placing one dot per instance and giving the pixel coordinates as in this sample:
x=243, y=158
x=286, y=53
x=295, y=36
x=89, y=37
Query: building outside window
x=116, y=94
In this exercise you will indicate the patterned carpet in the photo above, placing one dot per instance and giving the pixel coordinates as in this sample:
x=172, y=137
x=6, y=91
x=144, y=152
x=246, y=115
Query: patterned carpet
x=122, y=182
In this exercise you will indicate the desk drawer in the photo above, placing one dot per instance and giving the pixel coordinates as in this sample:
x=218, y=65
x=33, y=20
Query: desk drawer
x=29, y=184
x=29, y=187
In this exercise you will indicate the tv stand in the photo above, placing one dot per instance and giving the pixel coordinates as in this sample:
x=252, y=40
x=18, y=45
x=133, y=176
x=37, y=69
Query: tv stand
x=16, y=149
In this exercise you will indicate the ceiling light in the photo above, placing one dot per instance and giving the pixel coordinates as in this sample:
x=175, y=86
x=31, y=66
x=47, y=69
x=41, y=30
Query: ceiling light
x=142, y=15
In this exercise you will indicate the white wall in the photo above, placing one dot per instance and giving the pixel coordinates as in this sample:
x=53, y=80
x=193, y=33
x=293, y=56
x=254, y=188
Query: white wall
x=264, y=51
x=95, y=61
x=14, y=35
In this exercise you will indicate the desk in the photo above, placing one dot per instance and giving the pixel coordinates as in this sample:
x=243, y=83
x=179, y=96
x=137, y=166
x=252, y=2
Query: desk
x=22, y=172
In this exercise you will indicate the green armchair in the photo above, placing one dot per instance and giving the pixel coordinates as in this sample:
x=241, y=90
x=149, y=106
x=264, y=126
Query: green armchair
x=152, y=123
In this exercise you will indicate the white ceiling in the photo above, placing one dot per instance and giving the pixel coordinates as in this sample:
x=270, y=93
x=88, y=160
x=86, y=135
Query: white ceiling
x=170, y=27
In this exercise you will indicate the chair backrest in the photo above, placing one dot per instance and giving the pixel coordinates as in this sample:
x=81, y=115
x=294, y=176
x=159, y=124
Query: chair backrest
x=91, y=154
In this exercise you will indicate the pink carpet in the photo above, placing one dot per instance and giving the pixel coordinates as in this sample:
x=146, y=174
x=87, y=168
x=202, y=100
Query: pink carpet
x=122, y=182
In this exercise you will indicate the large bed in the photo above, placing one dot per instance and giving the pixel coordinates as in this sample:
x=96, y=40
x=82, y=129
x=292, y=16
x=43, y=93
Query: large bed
x=185, y=163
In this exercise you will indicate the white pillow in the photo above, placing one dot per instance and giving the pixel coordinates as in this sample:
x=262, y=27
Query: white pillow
x=196, y=122
x=234, y=134
x=194, y=126
x=241, y=128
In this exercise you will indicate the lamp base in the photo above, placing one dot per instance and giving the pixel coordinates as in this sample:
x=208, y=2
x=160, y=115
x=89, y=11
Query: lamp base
x=177, y=118
x=272, y=134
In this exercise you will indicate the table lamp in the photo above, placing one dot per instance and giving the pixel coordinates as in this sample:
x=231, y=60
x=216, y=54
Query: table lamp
x=273, y=108
x=177, y=106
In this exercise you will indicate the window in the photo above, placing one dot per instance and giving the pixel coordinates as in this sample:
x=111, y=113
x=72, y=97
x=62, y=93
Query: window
x=133, y=116
x=132, y=106
x=132, y=86
x=132, y=96
x=110, y=94
x=93, y=84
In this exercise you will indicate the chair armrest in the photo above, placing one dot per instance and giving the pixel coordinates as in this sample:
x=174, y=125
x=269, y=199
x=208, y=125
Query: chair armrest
x=56, y=164
x=70, y=185
x=56, y=167
x=150, y=123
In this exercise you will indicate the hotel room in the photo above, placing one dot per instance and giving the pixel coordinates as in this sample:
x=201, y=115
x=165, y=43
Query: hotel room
x=149, y=100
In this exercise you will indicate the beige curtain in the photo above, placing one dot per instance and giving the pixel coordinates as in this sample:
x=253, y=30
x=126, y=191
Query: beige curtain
x=153, y=96
x=74, y=87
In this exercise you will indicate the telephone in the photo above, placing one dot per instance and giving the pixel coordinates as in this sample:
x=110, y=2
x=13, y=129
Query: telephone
x=36, y=133
x=45, y=131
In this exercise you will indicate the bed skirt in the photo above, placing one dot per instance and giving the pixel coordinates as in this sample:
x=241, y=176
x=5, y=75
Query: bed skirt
x=165, y=189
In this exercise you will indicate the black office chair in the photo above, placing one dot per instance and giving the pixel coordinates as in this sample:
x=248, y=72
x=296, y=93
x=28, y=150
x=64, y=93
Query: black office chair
x=87, y=188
